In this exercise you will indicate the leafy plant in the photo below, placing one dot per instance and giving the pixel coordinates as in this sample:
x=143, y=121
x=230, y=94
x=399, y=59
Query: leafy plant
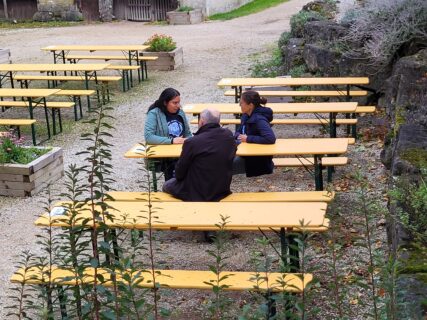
x=161, y=43
x=12, y=152
x=270, y=67
x=185, y=9
x=284, y=39
x=300, y=19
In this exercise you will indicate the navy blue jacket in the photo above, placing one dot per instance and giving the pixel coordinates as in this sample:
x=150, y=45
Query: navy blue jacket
x=258, y=129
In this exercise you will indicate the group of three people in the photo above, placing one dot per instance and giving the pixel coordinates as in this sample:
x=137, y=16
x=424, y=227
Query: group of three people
x=208, y=158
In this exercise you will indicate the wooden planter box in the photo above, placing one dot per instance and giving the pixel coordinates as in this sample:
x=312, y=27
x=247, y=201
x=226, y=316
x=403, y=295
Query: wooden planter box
x=190, y=17
x=166, y=60
x=20, y=180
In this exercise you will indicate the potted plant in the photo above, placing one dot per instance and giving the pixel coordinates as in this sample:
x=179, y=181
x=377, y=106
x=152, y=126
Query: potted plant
x=25, y=171
x=169, y=55
x=184, y=15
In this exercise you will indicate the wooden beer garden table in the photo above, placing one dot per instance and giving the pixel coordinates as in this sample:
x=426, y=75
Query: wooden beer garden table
x=35, y=98
x=132, y=52
x=283, y=147
x=238, y=83
x=89, y=69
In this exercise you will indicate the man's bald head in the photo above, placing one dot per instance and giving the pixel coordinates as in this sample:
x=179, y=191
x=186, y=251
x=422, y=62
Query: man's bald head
x=209, y=116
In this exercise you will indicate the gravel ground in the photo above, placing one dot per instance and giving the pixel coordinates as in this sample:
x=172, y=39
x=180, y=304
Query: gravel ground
x=212, y=50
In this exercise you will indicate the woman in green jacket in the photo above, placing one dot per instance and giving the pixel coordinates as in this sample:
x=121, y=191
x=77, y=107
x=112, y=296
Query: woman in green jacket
x=166, y=123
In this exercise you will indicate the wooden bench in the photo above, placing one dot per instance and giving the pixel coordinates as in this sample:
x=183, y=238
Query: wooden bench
x=142, y=60
x=127, y=80
x=300, y=162
x=17, y=123
x=299, y=196
x=56, y=107
x=304, y=93
x=271, y=282
x=290, y=121
x=51, y=80
x=76, y=95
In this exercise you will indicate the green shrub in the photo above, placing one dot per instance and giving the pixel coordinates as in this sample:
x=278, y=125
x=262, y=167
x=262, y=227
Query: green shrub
x=298, y=71
x=185, y=9
x=284, y=39
x=300, y=19
x=268, y=68
x=161, y=42
x=13, y=153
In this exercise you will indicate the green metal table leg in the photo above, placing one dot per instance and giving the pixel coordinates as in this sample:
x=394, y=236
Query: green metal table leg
x=33, y=129
x=318, y=176
x=87, y=88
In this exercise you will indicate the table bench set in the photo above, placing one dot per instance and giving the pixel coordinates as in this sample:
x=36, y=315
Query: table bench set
x=85, y=73
x=287, y=214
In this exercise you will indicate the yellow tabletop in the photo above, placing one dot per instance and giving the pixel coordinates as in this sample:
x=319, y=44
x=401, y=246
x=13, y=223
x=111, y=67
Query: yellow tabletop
x=124, y=47
x=203, y=215
x=309, y=107
x=176, y=279
x=237, y=82
x=29, y=67
x=282, y=147
x=34, y=93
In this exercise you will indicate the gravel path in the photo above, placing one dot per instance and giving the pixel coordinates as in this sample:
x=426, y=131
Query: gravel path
x=212, y=50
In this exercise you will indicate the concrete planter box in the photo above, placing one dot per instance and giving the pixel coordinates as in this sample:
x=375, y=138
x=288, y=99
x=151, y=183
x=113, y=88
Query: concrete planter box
x=5, y=56
x=184, y=17
x=166, y=60
x=20, y=180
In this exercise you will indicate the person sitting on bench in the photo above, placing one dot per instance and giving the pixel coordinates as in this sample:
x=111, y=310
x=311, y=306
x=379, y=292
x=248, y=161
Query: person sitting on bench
x=166, y=123
x=254, y=128
x=204, y=169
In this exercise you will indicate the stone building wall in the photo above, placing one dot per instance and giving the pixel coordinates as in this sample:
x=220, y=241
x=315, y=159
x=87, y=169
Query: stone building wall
x=57, y=10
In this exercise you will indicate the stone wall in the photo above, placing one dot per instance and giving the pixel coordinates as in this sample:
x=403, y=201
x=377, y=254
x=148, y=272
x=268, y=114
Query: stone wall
x=57, y=10
x=400, y=89
x=211, y=7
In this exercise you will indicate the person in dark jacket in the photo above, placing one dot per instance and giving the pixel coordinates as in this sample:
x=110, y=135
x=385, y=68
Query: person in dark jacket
x=166, y=123
x=254, y=128
x=204, y=169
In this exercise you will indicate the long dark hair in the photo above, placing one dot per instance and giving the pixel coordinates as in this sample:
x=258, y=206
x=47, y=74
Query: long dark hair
x=253, y=97
x=167, y=95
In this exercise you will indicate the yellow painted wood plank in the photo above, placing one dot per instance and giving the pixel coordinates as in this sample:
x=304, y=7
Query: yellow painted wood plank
x=120, y=58
x=309, y=107
x=67, y=78
x=295, y=162
x=122, y=67
x=307, y=93
x=122, y=47
x=290, y=121
x=49, y=104
x=173, y=279
x=292, y=81
x=34, y=93
x=295, y=196
x=282, y=147
x=201, y=215
x=44, y=67
x=74, y=93
x=17, y=122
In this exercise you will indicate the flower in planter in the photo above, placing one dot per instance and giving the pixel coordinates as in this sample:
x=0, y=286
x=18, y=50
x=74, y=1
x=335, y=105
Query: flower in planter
x=185, y=9
x=160, y=42
x=12, y=151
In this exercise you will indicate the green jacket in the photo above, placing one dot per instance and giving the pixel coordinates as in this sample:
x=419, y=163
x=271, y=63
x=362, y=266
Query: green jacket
x=156, y=127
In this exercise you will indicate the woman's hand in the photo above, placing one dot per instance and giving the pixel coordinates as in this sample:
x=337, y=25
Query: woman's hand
x=178, y=140
x=242, y=137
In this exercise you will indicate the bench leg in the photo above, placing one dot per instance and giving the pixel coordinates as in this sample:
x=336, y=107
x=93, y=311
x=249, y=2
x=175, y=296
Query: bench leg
x=80, y=106
x=53, y=121
x=128, y=81
x=75, y=108
x=87, y=88
x=60, y=120
x=318, y=174
x=354, y=127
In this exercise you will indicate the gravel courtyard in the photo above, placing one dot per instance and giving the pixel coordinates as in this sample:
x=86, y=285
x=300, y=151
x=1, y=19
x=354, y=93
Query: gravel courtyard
x=212, y=50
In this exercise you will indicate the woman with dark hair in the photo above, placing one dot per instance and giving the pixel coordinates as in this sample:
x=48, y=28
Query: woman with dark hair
x=254, y=128
x=166, y=123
